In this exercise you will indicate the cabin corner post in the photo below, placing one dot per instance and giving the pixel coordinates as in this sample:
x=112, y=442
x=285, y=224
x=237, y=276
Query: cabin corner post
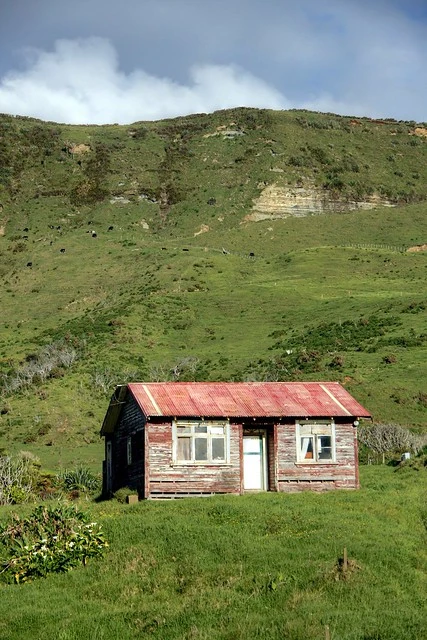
x=356, y=459
x=146, y=463
x=275, y=465
x=240, y=426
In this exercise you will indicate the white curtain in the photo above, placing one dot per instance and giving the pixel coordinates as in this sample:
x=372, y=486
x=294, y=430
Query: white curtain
x=304, y=446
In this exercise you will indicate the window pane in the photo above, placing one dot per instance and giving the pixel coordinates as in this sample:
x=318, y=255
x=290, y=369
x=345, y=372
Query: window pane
x=201, y=448
x=201, y=428
x=218, y=449
x=217, y=431
x=183, y=429
x=307, y=448
x=324, y=445
x=183, y=449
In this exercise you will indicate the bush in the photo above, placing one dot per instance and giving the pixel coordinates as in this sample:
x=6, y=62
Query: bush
x=80, y=479
x=121, y=495
x=50, y=540
x=39, y=367
x=18, y=478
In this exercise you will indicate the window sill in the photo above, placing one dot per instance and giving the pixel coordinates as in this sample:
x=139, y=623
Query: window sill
x=201, y=464
x=309, y=463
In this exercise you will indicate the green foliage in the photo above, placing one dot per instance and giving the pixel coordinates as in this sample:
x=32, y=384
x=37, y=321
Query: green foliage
x=80, y=479
x=92, y=188
x=121, y=495
x=19, y=476
x=308, y=351
x=415, y=463
x=51, y=540
x=87, y=192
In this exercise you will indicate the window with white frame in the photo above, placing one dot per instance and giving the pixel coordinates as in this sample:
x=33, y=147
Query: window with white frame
x=315, y=442
x=201, y=442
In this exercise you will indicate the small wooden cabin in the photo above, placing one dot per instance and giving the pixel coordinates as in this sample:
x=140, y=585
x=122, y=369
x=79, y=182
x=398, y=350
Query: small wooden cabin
x=176, y=439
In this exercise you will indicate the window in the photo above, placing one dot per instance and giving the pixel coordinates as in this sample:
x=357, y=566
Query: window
x=315, y=442
x=129, y=450
x=201, y=442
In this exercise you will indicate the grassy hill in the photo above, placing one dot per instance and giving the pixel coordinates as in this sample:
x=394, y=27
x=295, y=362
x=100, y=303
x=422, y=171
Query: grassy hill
x=245, y=244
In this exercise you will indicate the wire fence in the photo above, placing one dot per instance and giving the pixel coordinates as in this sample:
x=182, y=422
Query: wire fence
x=387, y=247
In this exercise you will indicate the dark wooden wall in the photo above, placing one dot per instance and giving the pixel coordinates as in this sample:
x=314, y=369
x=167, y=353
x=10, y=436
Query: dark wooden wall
x=130, y=425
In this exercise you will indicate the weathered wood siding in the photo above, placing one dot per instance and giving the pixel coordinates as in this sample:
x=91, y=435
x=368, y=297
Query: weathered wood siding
x=130, y=425
x=167, y=479
x=294, y=476
x=272, y=458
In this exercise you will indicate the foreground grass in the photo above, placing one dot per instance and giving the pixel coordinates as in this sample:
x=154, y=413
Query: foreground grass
x=260, y=566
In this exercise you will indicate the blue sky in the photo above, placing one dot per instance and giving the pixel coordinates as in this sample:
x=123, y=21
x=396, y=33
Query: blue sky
x=104, y=61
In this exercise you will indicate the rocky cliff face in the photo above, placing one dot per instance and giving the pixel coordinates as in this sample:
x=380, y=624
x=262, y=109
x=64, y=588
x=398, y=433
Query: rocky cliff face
x=281, y=202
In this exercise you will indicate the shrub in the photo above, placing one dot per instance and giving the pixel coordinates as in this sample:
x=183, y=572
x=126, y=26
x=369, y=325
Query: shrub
x=39, y=367
x=80, y=479
x=18, y=478
x=50, y=540
x=121, y=495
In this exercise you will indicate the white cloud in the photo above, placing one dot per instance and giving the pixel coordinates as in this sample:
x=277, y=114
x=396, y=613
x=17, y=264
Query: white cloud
x=80, y=82
x=371, y=72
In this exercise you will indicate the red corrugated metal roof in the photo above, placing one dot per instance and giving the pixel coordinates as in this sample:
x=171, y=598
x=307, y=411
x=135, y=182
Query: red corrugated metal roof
x=246, y=399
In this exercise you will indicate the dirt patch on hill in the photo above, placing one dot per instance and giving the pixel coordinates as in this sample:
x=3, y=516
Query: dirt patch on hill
x=418, y=247
x=283, y=202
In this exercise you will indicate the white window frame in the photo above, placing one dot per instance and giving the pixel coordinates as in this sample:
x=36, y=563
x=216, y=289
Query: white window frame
x=209, y=435
x=315, y=430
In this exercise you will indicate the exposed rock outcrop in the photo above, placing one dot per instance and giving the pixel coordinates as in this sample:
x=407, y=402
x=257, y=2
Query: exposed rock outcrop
x=282, y=202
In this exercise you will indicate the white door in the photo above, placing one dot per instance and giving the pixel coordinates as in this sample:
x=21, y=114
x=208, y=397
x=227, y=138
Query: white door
x=254, y=458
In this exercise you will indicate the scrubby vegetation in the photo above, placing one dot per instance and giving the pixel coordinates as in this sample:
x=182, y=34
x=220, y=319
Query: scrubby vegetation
x=49, y=540
x=22, y=480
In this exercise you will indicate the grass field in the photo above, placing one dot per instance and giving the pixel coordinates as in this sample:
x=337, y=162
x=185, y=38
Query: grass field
x=260, y=566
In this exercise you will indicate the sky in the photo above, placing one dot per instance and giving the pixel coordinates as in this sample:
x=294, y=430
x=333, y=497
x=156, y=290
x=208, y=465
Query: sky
x=122, y=61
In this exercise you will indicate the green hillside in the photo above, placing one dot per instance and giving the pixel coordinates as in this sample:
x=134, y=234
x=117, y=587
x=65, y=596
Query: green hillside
x=242, y=245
